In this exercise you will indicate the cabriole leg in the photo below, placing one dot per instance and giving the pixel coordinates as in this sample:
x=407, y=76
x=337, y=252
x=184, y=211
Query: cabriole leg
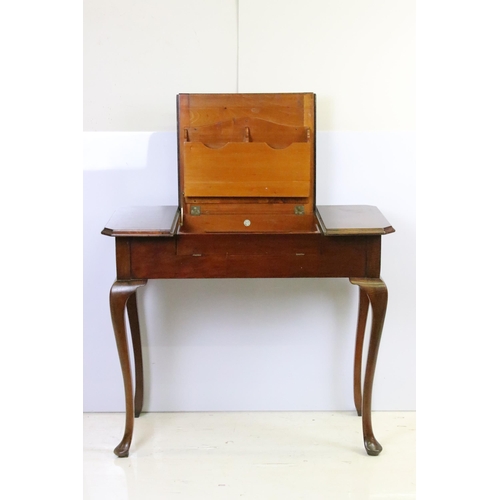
x=118, y=297
x=135, y=332
x=376, y=292
x=358, y=350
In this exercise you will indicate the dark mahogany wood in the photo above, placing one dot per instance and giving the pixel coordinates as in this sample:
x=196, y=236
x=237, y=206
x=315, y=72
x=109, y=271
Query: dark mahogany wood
x=136, y=221
x=135, y=333
x=150, y=244
x=336, y=220
x=118, y=297
x=376, y=291
x=247, y=209
x=358, y=350
x=252, y=256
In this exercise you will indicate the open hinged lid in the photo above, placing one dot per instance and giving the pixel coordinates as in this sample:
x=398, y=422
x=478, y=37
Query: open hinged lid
x=246, y=162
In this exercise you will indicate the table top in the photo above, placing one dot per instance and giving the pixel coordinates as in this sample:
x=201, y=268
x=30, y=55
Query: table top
x=352, y=219
x=143, y=221
x=162, y=221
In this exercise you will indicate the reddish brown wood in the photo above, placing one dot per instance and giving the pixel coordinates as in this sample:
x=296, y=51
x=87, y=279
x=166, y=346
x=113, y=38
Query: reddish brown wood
x=373, y=256
x=336, y=220
x=119, y=295
x=358, y=350
x=135, y=333
x=136, y=221
x=216, y=256
x=253, y=256
x=257, y=223
x=376, y=292
x=143, y=254
x=249, y=244
x=247, y=209
x=122, y=252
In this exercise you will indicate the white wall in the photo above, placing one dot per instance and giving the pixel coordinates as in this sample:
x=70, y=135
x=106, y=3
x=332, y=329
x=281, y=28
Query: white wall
x=139, y=54
x=357, y=56
x=250, y=344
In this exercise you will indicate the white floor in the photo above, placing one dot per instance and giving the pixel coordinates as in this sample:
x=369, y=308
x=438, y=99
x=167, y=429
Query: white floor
x=254, y=455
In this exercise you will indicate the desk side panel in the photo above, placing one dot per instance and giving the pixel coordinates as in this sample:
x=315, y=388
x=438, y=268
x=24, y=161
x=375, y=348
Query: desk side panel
x=373, y=256
x=122, y=251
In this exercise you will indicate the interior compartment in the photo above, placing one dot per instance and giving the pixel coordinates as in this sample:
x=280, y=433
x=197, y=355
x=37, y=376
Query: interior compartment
x=242, y=154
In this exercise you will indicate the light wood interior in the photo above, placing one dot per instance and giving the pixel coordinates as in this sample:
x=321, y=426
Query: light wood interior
x=241, y=150
x=247, y=169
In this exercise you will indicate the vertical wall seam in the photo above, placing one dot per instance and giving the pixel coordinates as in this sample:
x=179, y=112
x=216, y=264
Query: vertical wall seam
x=237, y=46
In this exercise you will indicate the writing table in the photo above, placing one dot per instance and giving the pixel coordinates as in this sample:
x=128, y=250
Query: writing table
x=150, y=244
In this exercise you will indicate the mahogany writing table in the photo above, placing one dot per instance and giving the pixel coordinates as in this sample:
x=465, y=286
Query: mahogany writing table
x=150, y=244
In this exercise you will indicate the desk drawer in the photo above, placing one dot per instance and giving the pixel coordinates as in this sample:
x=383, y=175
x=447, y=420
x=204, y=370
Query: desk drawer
x=255, y=257
x=248, y=244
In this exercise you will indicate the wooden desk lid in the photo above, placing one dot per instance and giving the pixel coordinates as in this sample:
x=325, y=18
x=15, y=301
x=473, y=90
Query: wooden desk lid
x=247, y=165
x=246, y=162
x=143, y=221
x=352, y=220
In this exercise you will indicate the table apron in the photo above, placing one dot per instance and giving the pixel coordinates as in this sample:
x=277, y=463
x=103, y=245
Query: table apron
x=165, y=258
